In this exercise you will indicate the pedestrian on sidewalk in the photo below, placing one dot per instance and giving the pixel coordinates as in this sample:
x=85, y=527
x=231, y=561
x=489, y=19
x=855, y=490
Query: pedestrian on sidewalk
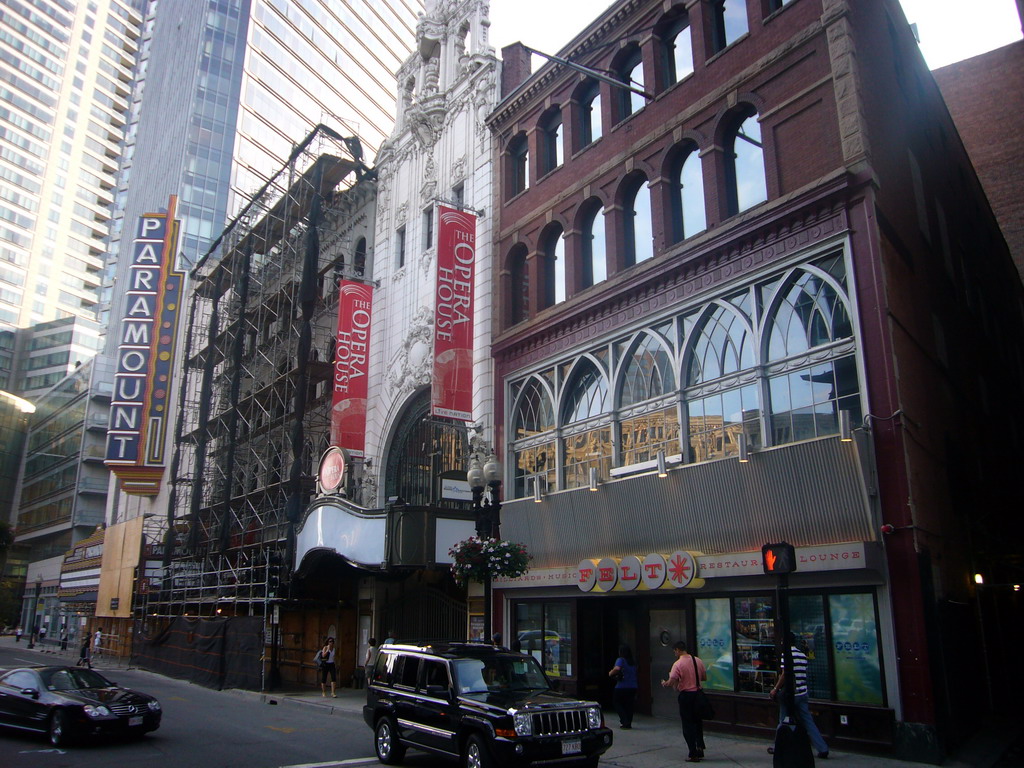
x=42, y=633
x=371, y=656
x=325, y=660
x=64, y=640
x=83, y=654
x=17, y=635
x=624, y=673
x=801, y=698
x=685, y=677
x=97, y=643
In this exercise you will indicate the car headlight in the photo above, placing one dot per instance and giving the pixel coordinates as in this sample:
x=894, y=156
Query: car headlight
x=523, y=723
x=593, y=717
x=96, y=711
x=154, y=706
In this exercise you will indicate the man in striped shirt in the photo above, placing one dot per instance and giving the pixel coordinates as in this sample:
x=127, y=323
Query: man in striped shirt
x=800, y=697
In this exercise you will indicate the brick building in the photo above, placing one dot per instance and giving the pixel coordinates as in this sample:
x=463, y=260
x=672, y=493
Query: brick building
x=983, y=94
x=757, y=297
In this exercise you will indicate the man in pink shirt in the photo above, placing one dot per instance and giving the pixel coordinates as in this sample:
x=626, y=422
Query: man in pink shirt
x=686, y=675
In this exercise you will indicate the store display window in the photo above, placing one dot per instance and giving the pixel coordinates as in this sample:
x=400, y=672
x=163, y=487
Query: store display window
x=545, y=632
x=736, y=640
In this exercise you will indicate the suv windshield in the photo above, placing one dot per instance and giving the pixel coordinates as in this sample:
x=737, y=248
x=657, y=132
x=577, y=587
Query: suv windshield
x=499, y=673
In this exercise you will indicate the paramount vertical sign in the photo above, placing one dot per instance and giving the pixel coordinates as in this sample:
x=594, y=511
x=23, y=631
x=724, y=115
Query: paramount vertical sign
x=136, y=437
x=351, y=365
x=452, y=382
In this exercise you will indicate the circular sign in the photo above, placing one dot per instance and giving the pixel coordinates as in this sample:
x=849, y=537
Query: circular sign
x=654, y=571
x=607, y=574
x=629, y=572
x=588, y=575
x=331, y=473
x=681, y=569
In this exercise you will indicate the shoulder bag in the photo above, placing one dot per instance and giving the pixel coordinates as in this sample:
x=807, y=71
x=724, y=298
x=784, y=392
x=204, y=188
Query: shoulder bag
x=702, y=707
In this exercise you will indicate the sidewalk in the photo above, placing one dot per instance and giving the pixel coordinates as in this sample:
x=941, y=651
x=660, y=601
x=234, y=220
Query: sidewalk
x=651, y=743
x=658, y=742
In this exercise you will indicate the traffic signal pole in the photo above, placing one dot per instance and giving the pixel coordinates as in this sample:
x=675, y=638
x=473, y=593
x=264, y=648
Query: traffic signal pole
x=779, y=560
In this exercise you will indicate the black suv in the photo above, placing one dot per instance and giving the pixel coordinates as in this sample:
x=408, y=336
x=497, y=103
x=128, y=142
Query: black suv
x=483, y=704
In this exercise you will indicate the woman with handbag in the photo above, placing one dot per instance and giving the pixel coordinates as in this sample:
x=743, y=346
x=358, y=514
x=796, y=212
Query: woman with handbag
x=325, y=661
x=685, y=677
x=625, y=677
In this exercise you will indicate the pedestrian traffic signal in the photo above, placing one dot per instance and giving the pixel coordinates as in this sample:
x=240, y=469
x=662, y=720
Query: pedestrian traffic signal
x=778, y=558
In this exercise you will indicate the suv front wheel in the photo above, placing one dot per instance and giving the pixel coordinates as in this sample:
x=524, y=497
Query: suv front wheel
x=477, y=755
x=385, y=739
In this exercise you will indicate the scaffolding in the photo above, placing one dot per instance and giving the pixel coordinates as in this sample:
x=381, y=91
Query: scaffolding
x=254, y=410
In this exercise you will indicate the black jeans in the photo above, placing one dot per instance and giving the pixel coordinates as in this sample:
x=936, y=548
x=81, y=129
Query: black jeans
x=693, y=726
x=624, y=700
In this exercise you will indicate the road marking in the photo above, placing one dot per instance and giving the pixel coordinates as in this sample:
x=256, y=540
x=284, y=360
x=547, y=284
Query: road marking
x=352, y=761
x=42, y=752
x=282, y=729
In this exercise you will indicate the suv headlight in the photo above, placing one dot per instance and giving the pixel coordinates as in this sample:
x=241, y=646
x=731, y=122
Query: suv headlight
x=96, y=711
x=523, y=722
x=593, y=717
x=154, y=706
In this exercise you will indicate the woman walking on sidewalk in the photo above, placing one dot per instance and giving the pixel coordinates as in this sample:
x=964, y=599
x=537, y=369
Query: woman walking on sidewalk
x=685, y=677
x=624, y=694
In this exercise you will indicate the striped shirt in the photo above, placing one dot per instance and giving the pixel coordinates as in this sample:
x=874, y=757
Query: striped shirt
x=799, y=671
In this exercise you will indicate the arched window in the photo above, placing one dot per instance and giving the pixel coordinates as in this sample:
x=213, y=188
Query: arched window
x=676, y=46
x=638, y=227
x=587, y=440
x=533, y=425
x=688, y=214
x=359, y=259
x=519, y=285
x=808, y=321
x=647, y=402
x=589, y=97
x=629, y=70
x=422, y=448
x=744, y=164
x=554, y=266
x=728, y=22
x=518, y=165
x=721, y=400
x=552, y=154
x=595, y=251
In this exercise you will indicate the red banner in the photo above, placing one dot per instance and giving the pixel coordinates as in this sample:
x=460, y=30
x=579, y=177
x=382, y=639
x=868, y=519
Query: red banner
x=351, y=366
x=452, y=384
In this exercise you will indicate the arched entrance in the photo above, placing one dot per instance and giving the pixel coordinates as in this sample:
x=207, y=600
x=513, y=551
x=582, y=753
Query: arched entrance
x=423, y=448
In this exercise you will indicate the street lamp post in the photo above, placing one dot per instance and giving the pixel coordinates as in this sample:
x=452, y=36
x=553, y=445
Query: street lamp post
x=485, y=483
x=35, y=608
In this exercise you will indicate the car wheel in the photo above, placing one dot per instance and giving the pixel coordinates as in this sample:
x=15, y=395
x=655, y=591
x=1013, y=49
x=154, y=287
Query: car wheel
x=385, y=740
x=60, y=728
x=477, y=755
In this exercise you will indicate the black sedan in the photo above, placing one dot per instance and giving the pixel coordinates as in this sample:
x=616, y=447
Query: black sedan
x=69, y=703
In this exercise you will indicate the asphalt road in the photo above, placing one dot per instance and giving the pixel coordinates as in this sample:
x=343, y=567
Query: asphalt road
x=205, y=729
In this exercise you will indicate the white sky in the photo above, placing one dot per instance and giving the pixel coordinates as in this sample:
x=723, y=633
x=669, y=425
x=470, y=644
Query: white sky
x=946, y=31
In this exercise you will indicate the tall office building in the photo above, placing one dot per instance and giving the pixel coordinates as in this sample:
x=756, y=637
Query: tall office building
x=66, y=72
x=229, y=93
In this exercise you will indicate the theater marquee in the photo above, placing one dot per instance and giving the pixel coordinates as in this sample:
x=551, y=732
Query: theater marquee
x=136, y=438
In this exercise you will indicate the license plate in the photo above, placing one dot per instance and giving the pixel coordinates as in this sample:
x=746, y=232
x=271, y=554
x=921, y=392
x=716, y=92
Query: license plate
x=133, y=721
x=572, y=747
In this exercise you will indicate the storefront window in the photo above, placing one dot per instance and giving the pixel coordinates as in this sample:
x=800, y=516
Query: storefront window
x=736, y=639
x=807, y=621
x=855, y=649
x=714, y=644
x=757, y=666
x=545, y=631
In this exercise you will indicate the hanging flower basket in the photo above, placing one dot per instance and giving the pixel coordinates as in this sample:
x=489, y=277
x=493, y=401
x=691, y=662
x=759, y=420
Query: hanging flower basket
x=475, y=559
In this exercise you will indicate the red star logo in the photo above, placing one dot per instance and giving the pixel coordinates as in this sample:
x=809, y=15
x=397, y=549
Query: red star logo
x=679, y=568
